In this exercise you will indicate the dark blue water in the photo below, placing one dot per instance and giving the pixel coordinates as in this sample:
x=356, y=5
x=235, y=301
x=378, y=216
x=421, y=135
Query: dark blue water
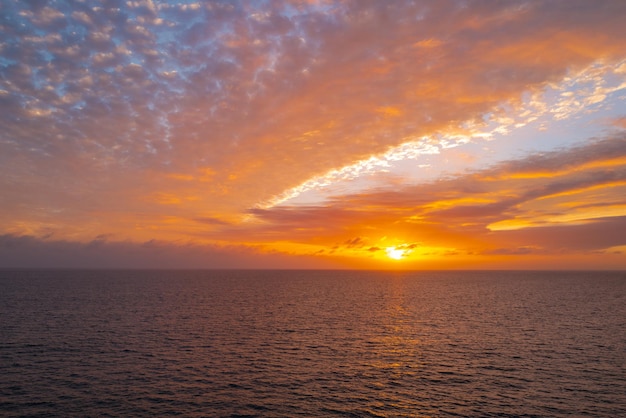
x=312, y=343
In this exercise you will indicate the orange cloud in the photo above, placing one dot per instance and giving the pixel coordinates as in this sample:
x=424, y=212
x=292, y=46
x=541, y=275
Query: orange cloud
x=171, y=128
x=473, y=214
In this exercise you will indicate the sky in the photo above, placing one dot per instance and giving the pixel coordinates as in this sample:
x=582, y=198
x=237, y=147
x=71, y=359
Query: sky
x=313, y=134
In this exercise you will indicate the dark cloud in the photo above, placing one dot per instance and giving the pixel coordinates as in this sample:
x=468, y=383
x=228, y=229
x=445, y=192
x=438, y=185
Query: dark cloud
x=32, y=252
x=355, y=242
x=211, y=221
x=595, y=234
x=511, y=251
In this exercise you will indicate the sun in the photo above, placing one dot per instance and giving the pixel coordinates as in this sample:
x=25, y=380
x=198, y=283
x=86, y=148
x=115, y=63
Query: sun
x=395, y=253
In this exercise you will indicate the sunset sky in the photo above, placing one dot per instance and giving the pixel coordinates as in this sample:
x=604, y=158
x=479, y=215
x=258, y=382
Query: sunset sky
x=313, y=134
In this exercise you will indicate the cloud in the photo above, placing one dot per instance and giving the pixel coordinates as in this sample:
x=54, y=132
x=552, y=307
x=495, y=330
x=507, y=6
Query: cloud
x=595, y=235
x=32, y=252
x=620, y=122
x=211, y=221
x=113, y=114
x=544, y=203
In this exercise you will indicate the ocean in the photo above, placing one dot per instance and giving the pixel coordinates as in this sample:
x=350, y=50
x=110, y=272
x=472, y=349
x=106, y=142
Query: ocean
x=312, y=343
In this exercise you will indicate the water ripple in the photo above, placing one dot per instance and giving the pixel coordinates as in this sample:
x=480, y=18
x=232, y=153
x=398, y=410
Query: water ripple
x=297, y=343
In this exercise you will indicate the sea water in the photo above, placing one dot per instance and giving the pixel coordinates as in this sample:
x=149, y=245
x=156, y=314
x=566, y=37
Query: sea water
x=312, y=343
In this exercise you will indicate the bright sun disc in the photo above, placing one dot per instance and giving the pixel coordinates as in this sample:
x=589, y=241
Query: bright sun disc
x=395, y=253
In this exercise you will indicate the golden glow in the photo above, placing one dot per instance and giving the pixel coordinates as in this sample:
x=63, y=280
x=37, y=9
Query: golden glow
x=396, y=253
